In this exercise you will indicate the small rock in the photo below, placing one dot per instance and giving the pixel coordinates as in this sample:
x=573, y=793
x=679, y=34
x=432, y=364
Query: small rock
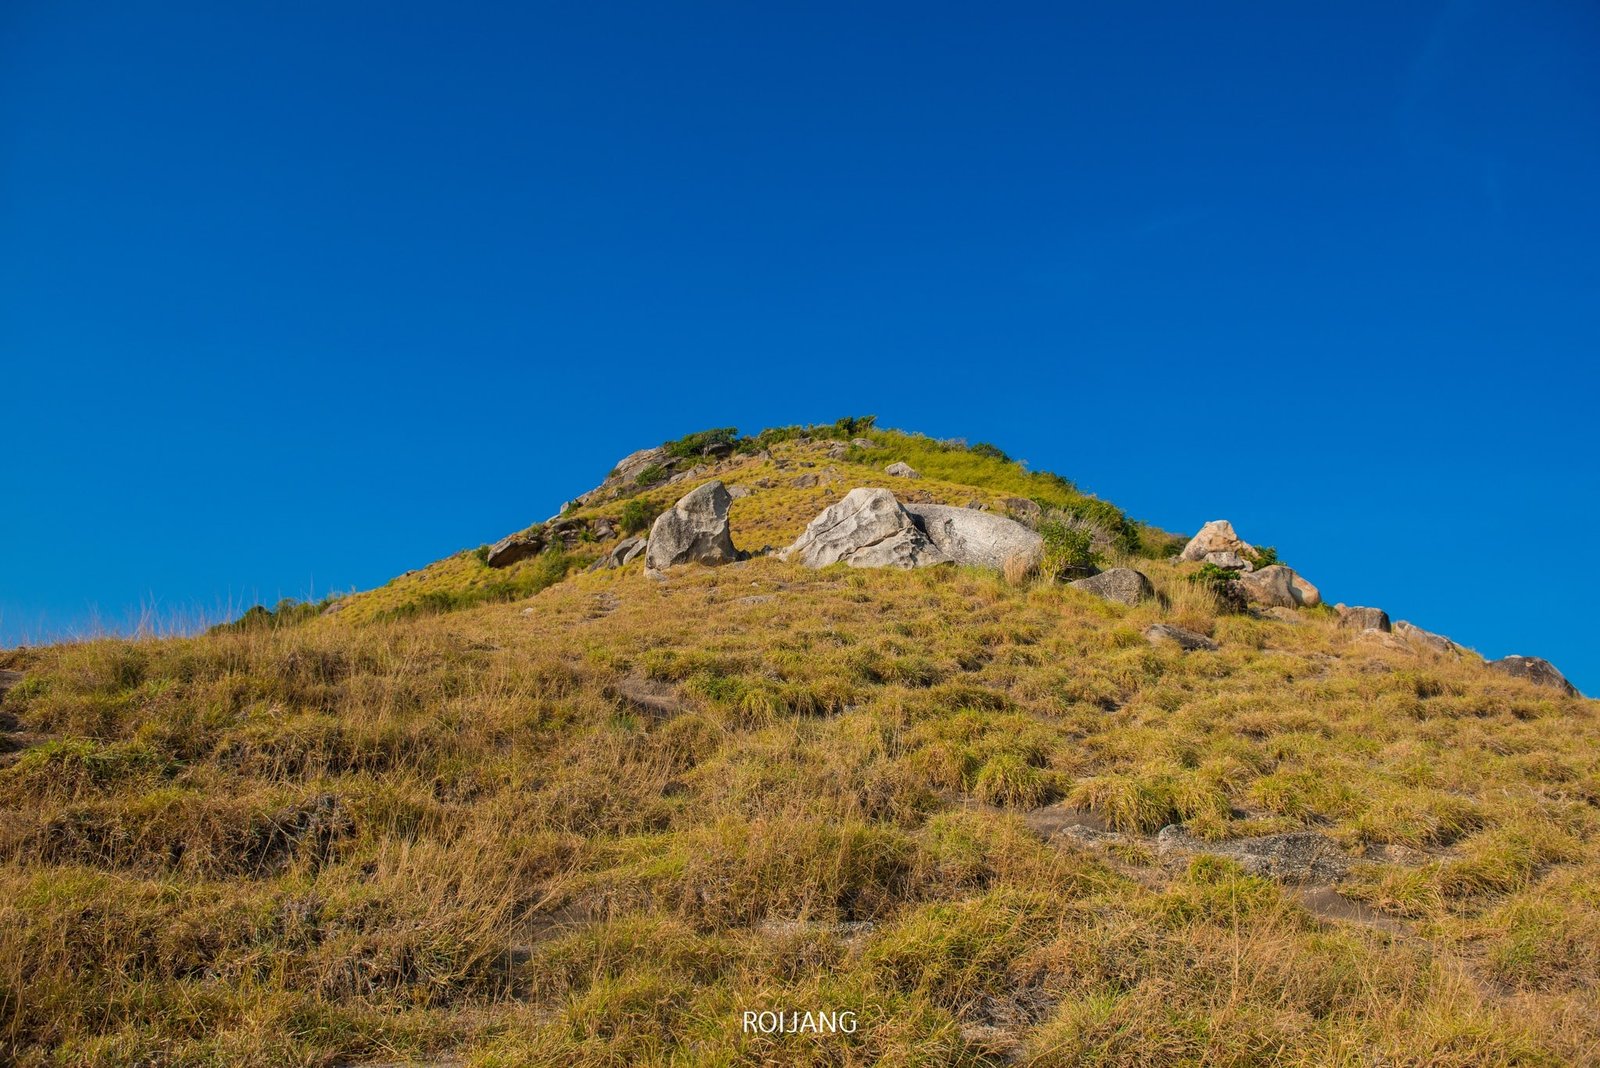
x=621, y=554
x=1023, y=509
x=863, y=443
x=1536, y=670
x=901, y=469
x=1121, y=584
x=1356, y=618
x=1295, y=857
x=737, y=492
x=807, y=481
x=1187, y=640
x=693, y=531
x=1228, y=559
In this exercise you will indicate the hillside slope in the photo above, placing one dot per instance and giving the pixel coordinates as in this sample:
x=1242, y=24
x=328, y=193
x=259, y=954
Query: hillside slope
x=537, y=814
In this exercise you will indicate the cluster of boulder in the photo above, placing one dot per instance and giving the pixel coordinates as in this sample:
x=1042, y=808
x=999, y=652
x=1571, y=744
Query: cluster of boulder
x=1274, y=586
x=560, y=532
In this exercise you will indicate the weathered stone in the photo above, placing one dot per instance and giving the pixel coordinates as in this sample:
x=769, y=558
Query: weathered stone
x=1294, y=857
x=1230, y=560
x=806, y=481
x=693, y=531
x=868, y=528
x=980, y=539
x=901, y=469
x=737, y=492
x=1187, y=640
x=1022, y=509
x=1278, y=586
x=717, y=450
x=622, y=553
x=516, y=547
x=863, y=443
x=1536, y=670
x=1356, y=618
x=1216, y=536
x=1121, y=584
x=1438, y=643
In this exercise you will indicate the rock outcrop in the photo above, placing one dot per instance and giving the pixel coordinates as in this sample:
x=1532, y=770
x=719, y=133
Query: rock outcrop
x=1187, y=640
x=693, y=531
x=868, y=528
x=980, y=539
x=901, y=469
x=1121, y=584
x=1357, y=618
x=1536, y=670
x=1216, y=543
x=515, y=548
x=1277, y=586
x=1426, y=639
x=1294, y=857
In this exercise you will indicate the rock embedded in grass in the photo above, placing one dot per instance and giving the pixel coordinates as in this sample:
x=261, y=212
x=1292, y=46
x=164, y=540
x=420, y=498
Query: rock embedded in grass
x=1216, y=543
x=693, y=531
x=1278, y=586
x=901, y=469
x=975, y=538
x=1536, y=670
x=1121, y=584
x=1358, y=618
x=868, y=528
x=1415, y=635
x=1187, y=640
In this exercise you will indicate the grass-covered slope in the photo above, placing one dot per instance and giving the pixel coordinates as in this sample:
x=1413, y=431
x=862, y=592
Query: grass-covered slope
x=595, y=825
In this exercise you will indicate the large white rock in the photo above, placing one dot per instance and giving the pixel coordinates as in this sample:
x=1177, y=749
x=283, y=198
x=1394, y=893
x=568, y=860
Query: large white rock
x=693, y=531
x=981, y=539
x=1215, y=540
x=1278, y=586
x=869, y=528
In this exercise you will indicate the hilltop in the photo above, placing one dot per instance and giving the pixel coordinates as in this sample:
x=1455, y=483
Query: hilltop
x=1043, y=784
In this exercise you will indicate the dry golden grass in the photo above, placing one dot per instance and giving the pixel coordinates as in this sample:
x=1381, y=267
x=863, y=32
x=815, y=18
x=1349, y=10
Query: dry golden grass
x=593, y=826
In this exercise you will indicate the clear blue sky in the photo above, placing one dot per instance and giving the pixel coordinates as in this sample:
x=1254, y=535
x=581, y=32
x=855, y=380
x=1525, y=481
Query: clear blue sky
x=294, y=297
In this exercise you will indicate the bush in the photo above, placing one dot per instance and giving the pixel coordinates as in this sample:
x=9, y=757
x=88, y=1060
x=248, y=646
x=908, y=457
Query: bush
x=286, y=613
x=983, y=448
x=650, y=475
x=1223, y=584
x=695, y=444
x=1262, y=556
x=1068, y=550
x=637, y=515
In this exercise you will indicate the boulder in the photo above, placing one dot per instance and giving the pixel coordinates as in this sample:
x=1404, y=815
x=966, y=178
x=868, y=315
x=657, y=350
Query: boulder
x=738, y=491
x=1217, y=536
x=1362, y=618
x=1536, y=670
x=717, y=450
x=981, y=539
x=901, y=469
x=805, y=481
x=863, y=443
x=1228, y=559
x=1187, y=640
x=1121, y=584
x=1415, y=635
x=517, y=547
x=621, y=554
x=1277, y=586
x=693, y=531
x=868, y=528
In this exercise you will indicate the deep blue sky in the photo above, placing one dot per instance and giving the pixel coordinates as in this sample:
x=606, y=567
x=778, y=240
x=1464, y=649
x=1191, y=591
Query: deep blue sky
x=295, y=297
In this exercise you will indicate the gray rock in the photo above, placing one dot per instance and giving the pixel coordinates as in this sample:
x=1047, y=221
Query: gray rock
x=1187, y=640
x=868, y=528
x=717, y=450
x=1216, y=536
x=981, y=539
x=901, y=469
x=1295, y=857
x=1357, y=618
x=1536, y=670
x=1415, y=635
x=1023, y=510
x=9, y=679
x=515, y=548
x=863, y=443
x=737, y=492
x=1228, y=559
x=693, y=531
x=1278, y=586
x=622, y=553
x=1121, y=584
x=806, y=481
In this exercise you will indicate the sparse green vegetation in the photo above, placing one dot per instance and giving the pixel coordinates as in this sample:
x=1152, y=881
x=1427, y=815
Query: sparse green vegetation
x=637, y=515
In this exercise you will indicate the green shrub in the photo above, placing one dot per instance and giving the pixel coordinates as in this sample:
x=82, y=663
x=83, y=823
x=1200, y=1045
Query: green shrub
x=695, y=444
x=481, y=553
x=1223, y=584
x=1068, y=550
x=637, y=515
x=983, y=448
x=1262, y=556
x=651, y=475
x=288, y=612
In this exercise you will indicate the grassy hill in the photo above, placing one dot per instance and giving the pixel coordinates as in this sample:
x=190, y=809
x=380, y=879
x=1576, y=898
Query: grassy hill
x=544, y=815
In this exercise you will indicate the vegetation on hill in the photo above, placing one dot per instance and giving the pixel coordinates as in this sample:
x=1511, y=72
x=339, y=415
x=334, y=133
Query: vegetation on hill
x=595, y=824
